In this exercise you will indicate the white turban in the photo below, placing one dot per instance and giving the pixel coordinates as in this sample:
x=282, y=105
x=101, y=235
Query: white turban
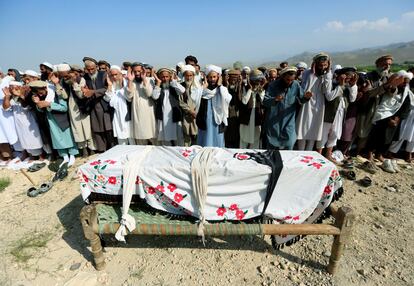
x=405, y=74
x=114, y=67
x=213, y=68
x=15, y=83
x=247, y=69
x=63, y=68
x=189, y=68
x=49, y=65
x=31, y=73
x=336, y=67
x=180, y=65
x=301, y=65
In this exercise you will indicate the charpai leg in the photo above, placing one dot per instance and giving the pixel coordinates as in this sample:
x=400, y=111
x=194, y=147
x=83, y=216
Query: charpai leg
x=344, y=220
x=88, y=219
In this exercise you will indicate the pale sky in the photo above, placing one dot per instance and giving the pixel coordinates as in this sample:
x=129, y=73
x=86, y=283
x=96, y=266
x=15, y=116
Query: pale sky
x=221, y=32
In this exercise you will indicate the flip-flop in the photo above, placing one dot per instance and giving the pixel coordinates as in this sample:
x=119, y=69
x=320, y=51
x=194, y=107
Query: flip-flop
x=366, y=181
x=54, y=166
x=36, y=167
x=33, y=192
x=61, y=173
x=45, y=187
x=350, y=175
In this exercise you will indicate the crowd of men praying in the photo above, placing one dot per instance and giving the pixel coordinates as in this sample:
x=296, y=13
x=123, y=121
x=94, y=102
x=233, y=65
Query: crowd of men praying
x=66, y=110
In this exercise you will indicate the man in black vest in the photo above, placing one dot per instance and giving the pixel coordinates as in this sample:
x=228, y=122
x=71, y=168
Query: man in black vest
x=101, y=112
x=167, y=108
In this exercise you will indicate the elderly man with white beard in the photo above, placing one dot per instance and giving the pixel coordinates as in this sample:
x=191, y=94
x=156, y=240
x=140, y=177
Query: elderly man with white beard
x=193, y=89
x=212, y=110
x=117, y=99
x=166, y=94
x=100, y=110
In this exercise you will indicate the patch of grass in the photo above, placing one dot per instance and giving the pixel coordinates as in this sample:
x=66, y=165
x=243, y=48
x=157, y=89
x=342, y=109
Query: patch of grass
x=139, y=274
x=4, y=183
x=28, y=246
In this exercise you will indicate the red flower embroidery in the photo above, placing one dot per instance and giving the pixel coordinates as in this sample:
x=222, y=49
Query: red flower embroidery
x=110, y=162
x=327, y=190
x=186, y=153
x=308, y=157
x=287, y=217
x=317, y=165
x=94, y=163
x=304, y=161
x=172, y=187
x=239, y=214
x=85, y=178
x=174, y=204
x=138, y=181
x=233, y=207
x=296, y=217
x=241, y=156
x=112, y=180
x=178, y=197
x=221, y=211
x=151, y=190
x=160, y=188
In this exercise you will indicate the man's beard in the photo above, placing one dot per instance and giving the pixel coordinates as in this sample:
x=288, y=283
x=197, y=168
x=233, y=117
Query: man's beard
x=94, y=76
x=188, y=83
x=212, y=84
x=138, y=79
x=165, y=85
x=44, y=76
x=117, y=85
x=382, y=72
x=319, y=71
x=68, y=81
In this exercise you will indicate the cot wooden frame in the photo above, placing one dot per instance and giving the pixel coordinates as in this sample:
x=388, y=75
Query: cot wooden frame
x=341, y=230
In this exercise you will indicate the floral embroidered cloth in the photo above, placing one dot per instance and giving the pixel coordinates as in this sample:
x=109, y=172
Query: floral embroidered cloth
x=236, y=183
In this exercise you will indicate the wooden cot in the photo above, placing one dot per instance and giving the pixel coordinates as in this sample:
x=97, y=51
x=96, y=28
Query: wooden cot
x=100, y=218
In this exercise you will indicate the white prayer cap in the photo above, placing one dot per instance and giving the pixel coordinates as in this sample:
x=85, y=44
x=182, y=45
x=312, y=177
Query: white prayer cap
x=336, y=67
x=180, y=65
x=189, y=68
x=247, y=69
x=31, y=73
x=213, y=68
x=49, y=65
x=124, y=72
x=301, y=65
x=15, y=83
x=63, y=68
x=114, y=67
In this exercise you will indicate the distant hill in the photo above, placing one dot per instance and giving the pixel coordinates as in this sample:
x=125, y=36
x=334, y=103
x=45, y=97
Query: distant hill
x=402, y=52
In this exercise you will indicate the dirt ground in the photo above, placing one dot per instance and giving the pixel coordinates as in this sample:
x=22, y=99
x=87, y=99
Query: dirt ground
x=42, y=243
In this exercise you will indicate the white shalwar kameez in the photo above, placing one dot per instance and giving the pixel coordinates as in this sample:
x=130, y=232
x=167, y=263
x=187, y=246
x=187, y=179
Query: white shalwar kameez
x=118, y=101
x=310, y=118
x=167, y=129
x=27, y=128
x=7, y=126
x=331, y=132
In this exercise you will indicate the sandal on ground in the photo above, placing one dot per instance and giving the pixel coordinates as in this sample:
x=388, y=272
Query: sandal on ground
x=387, y=166
x=61, y=173
x=33, y=192
x=369, y=167
x=36, y=167
x=350, y=175
x=348, y=164
x=366, y=181
x=45, y=187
